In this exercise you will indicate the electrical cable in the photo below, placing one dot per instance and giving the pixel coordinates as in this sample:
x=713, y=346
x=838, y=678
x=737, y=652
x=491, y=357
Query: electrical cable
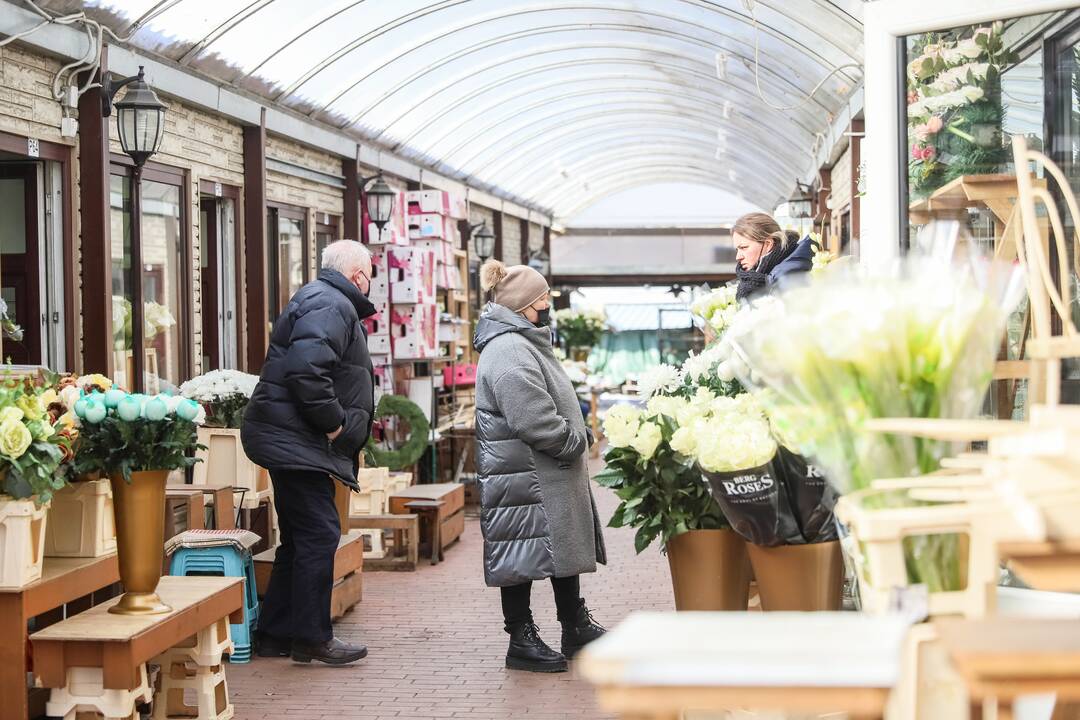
x=749, y=5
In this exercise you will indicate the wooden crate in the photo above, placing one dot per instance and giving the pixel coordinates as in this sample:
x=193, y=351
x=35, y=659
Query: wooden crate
x=348, y=560
x=451, y=514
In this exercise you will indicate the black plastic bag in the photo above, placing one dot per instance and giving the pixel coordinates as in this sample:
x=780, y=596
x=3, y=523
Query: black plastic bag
x=811, y=496
x=755, y=502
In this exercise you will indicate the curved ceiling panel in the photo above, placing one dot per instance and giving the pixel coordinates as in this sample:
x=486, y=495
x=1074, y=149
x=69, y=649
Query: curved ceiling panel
x=558, y=102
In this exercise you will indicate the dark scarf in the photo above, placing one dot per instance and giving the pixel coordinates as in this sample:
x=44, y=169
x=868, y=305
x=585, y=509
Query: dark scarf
x=751, y=281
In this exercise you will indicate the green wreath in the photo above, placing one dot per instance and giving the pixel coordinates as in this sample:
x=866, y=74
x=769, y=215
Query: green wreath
x=419, y=431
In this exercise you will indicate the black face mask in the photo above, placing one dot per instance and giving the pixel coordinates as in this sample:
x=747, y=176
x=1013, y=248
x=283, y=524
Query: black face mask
x=543, y=317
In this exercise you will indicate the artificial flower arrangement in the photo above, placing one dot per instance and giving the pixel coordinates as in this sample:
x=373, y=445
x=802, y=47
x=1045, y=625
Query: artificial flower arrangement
x=121, y=433
x=717, y=308
x=917, y=340
x=580, y=328
x=156, y=319
x=955, y=111
x=224, y=394
x=35, y=440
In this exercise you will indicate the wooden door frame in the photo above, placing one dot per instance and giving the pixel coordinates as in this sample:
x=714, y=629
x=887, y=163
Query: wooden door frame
x=27, y=171
x=64, y=155
x=178, y=177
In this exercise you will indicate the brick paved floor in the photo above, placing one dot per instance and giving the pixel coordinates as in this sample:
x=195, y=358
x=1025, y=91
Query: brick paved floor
x=437, y=646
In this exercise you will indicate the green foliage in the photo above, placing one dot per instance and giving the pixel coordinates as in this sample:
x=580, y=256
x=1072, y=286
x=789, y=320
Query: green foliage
x=419, y=432
x=227, y=412
x=579, y=329
x=118, y=446
x=35, y=473
x=662, y=496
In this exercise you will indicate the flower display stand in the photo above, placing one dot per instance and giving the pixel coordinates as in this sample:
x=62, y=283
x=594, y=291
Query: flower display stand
x=85, y=693
x=224, y=462
x=22, y=541
x=875, y=545
x=81, y=521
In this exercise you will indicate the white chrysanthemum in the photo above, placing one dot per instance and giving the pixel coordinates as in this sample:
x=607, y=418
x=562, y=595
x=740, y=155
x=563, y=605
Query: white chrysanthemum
x=662, y=378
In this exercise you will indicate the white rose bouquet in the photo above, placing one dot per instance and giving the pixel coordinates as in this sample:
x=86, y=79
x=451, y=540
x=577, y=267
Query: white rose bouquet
x=660, y=490
x=717, y=308
x=224, y=395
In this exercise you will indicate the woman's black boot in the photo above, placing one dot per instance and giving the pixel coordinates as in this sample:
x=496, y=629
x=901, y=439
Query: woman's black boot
x=528, y=652
x=579, y=631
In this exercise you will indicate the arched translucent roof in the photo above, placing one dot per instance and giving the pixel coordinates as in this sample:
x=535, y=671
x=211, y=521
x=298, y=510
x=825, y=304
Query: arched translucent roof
x=558, y=103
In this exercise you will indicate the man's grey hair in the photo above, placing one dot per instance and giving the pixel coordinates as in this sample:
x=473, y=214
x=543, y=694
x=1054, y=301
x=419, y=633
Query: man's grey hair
x=346, y=256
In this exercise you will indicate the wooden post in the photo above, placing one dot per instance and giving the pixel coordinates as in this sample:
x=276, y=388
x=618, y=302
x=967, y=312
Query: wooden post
x=350, y=217
x=255, y=260
x=96, y=249
x=497, y=253
x=524, y=241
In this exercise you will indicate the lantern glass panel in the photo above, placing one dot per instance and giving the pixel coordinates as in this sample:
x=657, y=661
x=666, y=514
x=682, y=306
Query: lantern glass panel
x=380, y=206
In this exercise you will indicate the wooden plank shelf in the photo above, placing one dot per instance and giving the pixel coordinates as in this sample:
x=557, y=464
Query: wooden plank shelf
x=63, y=580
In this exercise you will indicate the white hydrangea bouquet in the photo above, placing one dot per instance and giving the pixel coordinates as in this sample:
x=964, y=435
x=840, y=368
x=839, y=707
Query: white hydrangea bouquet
x=717, y=308
x=223, y=393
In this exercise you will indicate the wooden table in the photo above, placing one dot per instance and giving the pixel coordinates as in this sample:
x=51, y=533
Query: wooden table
x=218, y=495
x=430, y=511
x=119, y=644
x=1007, y=657
x=63, y=580
x=451, y=515
x=1053, y=565
x=656, y=665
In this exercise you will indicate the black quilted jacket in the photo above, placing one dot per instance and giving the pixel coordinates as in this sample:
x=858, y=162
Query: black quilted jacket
x=317, y=377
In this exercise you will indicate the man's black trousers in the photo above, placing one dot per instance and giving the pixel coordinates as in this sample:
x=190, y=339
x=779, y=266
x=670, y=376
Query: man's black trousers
x=297, y=603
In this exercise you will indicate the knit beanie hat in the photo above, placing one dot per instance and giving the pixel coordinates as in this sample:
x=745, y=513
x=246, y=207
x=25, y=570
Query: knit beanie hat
x=516, y=287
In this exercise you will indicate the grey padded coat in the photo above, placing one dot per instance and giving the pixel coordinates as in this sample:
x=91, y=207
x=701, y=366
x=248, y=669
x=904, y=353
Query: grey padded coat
x=538, y=515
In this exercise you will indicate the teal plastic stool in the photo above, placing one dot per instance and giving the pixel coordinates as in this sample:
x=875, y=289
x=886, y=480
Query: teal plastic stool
x=225, y=561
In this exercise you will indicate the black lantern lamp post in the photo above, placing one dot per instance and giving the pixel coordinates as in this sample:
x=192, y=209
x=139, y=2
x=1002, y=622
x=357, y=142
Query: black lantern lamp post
x=483, y=240
x=801, y=202
x=140, y=122
x=140, y=116
x=380, y=199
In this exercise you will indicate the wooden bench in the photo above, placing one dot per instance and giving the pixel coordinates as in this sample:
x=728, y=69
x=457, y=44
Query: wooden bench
x=404, y=552
x=121, y=644
x=451, y=514
x=348, y=573
x=63, y=581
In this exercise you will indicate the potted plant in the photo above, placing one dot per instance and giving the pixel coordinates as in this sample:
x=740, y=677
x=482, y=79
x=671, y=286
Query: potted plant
x=137, y=440
x=663, y=495
x=580, y=330
x=32, y=448
x=224, y=395
x=81, y=520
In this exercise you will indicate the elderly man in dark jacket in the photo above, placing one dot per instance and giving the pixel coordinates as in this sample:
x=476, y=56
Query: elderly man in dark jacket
x=307, y=422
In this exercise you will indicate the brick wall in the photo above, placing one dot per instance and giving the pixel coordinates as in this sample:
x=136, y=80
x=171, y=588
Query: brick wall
x=27, y=107
x=536, y=238
x=511, y=240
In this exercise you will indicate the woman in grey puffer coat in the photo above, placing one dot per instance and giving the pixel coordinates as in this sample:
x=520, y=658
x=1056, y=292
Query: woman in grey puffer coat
x=538, y=518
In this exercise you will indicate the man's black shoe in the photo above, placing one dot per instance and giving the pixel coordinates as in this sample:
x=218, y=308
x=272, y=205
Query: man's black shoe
x=270, y=646
x=528, y=652
x=331, y=652
x=580, y=631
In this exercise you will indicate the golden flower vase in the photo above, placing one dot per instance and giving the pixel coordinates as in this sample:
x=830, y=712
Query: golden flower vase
x=140, y=539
